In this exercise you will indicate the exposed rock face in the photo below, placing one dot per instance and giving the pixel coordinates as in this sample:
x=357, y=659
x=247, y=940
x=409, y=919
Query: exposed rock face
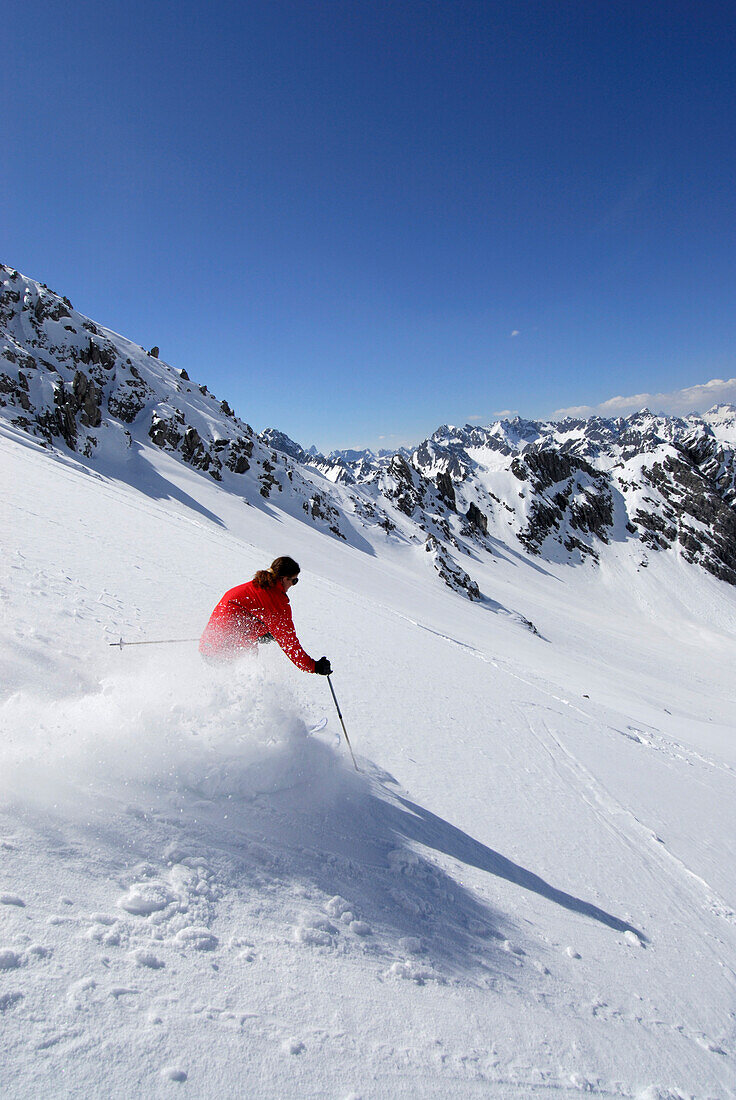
x=446, y=490
x=671, y=481
x=320, y=508
x=130, y=397
x=444, y=458
x=333, y=466
x=70, y=383
x=15, y=390
x=560, y=491
x=405, y=486
x=714, y=460
x=546, y=468
x=569, y=500
x=692, y=513
x=88, y=400
x=451, y=573
x=477, y=519
x=239, y=451
x=163, y=432
x=281, y=442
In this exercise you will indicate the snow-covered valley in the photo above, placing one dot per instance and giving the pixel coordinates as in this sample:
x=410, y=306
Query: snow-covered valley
x=527, y=889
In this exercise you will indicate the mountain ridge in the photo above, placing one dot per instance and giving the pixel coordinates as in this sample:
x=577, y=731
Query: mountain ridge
x=558, y=490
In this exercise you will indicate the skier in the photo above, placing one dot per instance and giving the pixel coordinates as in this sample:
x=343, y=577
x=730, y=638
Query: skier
x=257, y=612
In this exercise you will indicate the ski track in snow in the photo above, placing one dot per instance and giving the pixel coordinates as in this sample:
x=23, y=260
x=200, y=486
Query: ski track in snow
x=653, y=739
x=196, y=895
x=682, y=886
x=590, y=788
x=613, y=811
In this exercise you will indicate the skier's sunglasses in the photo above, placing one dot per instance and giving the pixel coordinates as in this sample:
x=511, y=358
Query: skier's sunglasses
x=294, y=580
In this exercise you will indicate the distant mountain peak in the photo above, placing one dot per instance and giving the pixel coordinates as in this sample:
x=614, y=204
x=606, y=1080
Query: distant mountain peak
x=561, y=490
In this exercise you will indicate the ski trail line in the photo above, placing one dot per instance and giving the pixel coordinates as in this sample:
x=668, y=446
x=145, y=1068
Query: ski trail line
x=684, y=751
x=608, y=808
x=713, y=901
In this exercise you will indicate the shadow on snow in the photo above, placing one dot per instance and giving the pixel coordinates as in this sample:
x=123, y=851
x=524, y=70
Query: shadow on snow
x=298, y=835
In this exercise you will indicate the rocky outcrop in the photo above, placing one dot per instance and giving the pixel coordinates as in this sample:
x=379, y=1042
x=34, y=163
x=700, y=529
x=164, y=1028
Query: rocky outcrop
x=442, y=457
x=477, y=521
x=14, y=391
x=547, y=467
x=451, y=573
x=333, y=466
x=130, y=397
x=568, y=500
x=405, y=486
x=446, y=489
x=716, y=461
x=164, y=433
x=69, y=382
x=279, y=441
x=239, y=451
x=691, y=514
x=320, y=508
x=87, y=400
x=556, y=490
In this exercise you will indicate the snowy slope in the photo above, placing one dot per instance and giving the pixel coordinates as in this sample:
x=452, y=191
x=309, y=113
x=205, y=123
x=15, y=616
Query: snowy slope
x=528, y=889
x=562, y=492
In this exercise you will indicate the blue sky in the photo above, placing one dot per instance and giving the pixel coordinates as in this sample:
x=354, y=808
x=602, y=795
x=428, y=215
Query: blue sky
x=359, y=219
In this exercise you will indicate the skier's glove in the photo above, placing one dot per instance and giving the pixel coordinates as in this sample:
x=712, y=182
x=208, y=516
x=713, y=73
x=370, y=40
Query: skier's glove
x=264, y=639
x=322, y=667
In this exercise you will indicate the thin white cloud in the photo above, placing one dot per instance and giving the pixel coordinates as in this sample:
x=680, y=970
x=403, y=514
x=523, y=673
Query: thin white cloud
x=476, y=418
x=505, y=414
x=392, y=439
x=698, y=398
x=515, y=333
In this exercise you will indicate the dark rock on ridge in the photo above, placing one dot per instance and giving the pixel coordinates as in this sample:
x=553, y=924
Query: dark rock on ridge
x=557, y=490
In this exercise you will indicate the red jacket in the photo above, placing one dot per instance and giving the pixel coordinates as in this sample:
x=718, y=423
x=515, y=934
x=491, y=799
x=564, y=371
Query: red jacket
x=246, y=612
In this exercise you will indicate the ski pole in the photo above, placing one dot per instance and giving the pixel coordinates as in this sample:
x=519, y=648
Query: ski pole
x=167, y=641
x=339, y=715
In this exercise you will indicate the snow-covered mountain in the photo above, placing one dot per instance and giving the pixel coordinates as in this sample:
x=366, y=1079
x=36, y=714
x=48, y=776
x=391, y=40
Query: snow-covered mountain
x=72, y=383
x=659, y=482
x=559, y=491
x=528, y=888
x=565, y=488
